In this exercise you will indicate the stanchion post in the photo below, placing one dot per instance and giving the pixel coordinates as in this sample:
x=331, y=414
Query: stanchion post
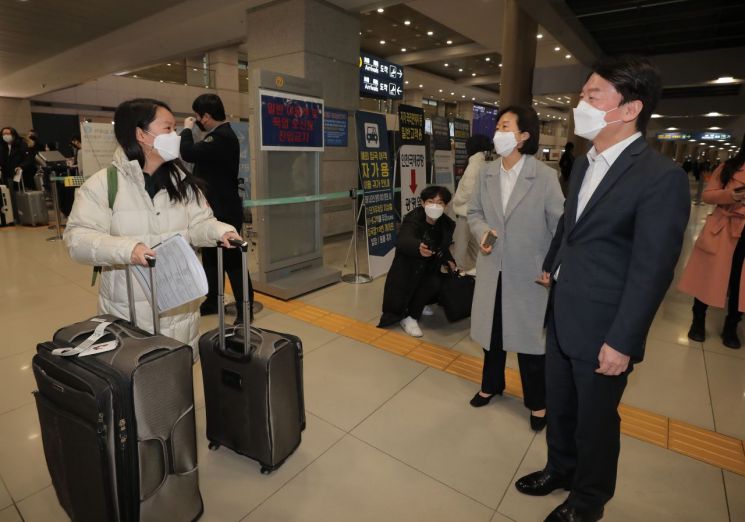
x=356, y=278
x=55, y=201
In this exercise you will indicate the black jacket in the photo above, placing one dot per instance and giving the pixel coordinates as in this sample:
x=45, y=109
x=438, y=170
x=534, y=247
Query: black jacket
x=565, y=164
x=216, y=160
x=17, y=155
x=409, y=268
x=618, y=260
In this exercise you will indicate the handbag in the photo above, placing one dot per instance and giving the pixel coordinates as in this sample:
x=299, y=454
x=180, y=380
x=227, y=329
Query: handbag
x=456, y=295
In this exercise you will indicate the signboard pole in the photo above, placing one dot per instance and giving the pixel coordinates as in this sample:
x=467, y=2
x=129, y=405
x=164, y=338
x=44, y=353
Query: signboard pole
x=356, y=278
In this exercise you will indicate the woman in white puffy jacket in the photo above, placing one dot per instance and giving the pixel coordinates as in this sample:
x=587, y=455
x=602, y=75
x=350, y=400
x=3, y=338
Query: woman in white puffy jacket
x=155, y=199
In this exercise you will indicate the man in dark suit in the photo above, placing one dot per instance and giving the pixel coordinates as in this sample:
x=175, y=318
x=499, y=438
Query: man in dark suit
x=216, y=159
x=611, y=262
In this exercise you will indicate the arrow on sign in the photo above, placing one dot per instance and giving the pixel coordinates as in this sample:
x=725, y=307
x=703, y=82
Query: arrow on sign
x=413, y=181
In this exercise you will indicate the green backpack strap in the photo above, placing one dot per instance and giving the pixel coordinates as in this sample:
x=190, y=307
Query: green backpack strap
x=112, y=186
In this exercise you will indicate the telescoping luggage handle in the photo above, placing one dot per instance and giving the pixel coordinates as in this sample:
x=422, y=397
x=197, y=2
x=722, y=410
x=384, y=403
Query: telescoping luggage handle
x=243, y=245
x=153, y=296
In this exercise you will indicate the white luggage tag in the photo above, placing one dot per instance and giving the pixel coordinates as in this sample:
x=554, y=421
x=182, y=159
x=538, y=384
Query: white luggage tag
x=89, y=344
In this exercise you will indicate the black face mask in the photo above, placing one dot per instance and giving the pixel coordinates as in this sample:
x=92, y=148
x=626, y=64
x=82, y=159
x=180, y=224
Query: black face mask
x=201, y=127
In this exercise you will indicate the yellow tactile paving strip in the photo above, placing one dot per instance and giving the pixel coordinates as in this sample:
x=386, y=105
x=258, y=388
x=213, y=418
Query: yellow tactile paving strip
x=698, y=443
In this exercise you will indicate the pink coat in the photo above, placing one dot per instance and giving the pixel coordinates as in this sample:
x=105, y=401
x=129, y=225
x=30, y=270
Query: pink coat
x=706, y=276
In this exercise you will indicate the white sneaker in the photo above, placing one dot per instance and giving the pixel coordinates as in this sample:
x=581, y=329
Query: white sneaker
x=411, y=327
x=428, y=311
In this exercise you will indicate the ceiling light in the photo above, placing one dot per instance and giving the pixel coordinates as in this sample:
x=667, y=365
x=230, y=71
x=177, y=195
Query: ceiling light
x=452, y=94
x=380, y=9
x=460, y=70
x=568, y=56
x=407, y=22
x=557, y=48
x=725, y=79
x=713, y=114
x=714, y=128
x=539, y=36
x=403, y=49
x=168, y=64
x=449, y=42
x=406, y=82
x=440, y=90
x=672, y=128
x=473, y=99
x=487, y=59
x=473, y=74
x=462, y=95
x=382, y=42
x=692, y=140
x=500, y=65
x=421, y=86
x=656, y=115
x=447, y=65
x=430, y=33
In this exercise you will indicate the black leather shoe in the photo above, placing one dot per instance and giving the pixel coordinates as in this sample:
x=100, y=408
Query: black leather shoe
x=566, y=513
x=479, y=400
x=697, y=331
x=207, y=308
x=729, y=334
x=541, y=483
x=537, y=423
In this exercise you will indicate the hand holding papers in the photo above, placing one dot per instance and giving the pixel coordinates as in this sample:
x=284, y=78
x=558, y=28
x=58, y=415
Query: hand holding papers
x=179, y=276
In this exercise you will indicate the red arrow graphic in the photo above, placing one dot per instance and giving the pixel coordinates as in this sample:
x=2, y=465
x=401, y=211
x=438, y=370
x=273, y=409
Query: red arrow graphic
x=413, y=181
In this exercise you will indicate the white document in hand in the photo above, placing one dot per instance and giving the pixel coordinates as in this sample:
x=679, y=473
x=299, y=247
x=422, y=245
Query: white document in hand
x=179, y=276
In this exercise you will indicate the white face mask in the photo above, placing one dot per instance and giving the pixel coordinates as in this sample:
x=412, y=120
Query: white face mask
x=8, y=138
x=433, y=210
x=589, y=121
x=167, y=145
x=504, y=143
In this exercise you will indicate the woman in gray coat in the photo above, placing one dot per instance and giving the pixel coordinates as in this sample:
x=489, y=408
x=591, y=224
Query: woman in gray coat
x=514, y=213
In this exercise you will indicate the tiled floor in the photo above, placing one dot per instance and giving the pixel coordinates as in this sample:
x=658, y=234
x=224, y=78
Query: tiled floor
x=388, y=438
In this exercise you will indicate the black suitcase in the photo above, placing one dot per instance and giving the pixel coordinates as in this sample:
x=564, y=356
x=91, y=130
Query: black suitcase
x=253, y=390
x=118, y=426
x=456, y=295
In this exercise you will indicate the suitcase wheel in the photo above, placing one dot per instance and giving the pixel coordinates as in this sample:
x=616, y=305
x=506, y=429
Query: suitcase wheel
x=213, y=445
x=265, y=470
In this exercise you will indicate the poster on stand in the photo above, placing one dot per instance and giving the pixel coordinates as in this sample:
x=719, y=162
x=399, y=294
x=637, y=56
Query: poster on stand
x=411, y=157
x=291, y=122
x=376, y=180
x=444, y=169
x=462, y=132
x=98, y=146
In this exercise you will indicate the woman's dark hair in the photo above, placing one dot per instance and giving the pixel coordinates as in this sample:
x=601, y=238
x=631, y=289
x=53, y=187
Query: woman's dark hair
x=527, y=121
x=433, y=191
x=733, y=164
x=478, y=143
x=14, y=133
x=171, y=175
x=569, y=147
x=209, y=103
x=635, y=78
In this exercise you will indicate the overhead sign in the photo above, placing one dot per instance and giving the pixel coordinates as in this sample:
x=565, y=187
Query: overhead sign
x=673, y=136
x=484, y=120
x=98, y=145
x=412, y=159
x=376, y=180
x=411, y=124
x=712, y=136
x=380, y=78
x=335, y=127
x=291, y=122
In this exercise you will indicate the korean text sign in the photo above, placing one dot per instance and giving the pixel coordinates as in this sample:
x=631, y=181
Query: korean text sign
x=291, y=122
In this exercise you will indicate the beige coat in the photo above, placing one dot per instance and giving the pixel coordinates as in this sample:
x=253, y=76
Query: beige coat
x=96, y=235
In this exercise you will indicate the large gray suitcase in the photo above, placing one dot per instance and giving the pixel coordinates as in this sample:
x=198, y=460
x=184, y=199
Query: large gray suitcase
x=253, y=387
x=32, y=208
x=118, y=427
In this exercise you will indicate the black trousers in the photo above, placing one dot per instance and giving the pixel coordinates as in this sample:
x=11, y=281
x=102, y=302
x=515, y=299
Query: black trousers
x=584, y=428
x=232, y=264
x=733, y=288
x=532, y=367
x=426, y=292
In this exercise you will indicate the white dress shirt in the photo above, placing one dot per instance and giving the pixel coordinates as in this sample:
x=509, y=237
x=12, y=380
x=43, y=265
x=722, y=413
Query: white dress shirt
x=508, y=179
x=600, y=164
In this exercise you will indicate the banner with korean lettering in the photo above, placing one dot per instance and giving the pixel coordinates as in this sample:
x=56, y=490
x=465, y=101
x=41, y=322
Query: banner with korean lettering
x=291, y=122
x=376, y=179
x=412, y=159
x=462, y=132
x=411, y=124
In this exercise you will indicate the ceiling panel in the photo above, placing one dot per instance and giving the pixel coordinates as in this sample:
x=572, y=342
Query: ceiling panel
x=33, y=30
